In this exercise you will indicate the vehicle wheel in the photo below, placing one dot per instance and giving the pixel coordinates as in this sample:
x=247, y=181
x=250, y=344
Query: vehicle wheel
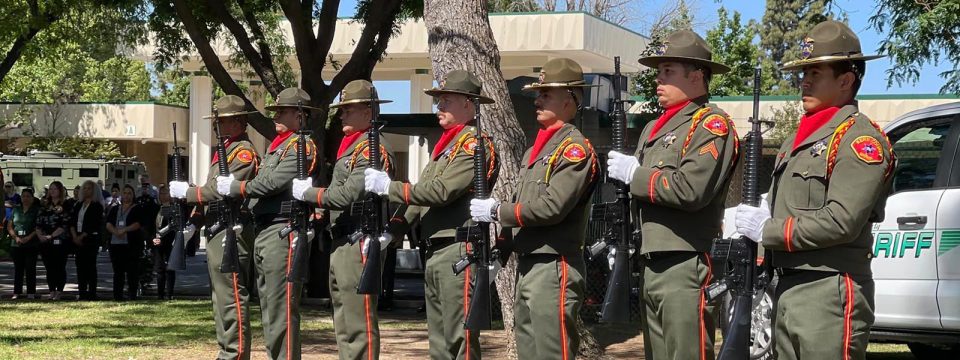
x=934, y=351
x=761, y=324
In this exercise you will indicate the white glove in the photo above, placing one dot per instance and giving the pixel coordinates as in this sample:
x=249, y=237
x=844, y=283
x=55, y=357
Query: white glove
x=178, y=189
x=300, y=187
x=376, y=181
x=188, y=232
x=611, y=257
x=621, y=167
x=223, y=184
x=384, y=240
x=480, y=209
x=749, y=220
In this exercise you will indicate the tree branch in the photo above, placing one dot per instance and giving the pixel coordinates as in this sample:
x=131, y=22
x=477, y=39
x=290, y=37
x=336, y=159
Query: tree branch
x=371, y=46
x=216, y=69
x=262, y=43
x=326, y=26
x=301, y=25
x=263, y=68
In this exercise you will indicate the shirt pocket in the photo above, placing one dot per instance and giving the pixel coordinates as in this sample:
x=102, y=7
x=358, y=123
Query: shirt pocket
x=808, y=180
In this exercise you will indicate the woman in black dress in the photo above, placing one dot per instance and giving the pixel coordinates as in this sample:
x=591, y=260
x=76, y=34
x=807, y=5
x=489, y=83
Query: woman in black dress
x=126, y=245
x=85, y=231
x=53, y=230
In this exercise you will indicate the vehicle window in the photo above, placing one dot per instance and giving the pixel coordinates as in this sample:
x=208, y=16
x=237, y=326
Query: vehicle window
x=918, y=148
x=89, y=173
x=118, y=174
x=51, y=172
x=131, y=174
x=22, y=179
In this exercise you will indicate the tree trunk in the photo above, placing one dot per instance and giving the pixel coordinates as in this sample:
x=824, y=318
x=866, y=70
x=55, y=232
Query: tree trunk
x=460, y=38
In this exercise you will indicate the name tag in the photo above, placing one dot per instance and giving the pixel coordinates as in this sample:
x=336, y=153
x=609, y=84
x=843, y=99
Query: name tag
x=21, y=233
x=56, y=241
x=121, y=223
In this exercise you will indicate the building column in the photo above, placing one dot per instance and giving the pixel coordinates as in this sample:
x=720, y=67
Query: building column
x=258, y=95
x=201, y=130
x=418, y=153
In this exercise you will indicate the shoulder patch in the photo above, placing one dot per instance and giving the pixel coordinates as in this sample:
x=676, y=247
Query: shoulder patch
x=470, y=146
x=868, y=149
x=574, y=153
x=716, y=125
x=365, y=153
x=245, y=156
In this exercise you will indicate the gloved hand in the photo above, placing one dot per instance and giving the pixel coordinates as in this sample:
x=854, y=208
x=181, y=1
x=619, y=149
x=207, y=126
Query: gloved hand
x=300, y=187
x=480, y=209
x=376, y=181
x=188, y=232
x=621, y=167
x=749, y=220
x=611, y=257
x=384, y=240
x=178, y=189
x=223, y=184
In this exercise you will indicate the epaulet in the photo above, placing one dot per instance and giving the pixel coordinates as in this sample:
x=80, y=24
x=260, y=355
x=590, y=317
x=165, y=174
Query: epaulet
x=714, y=120
x=311, y=147
x=363, y=150
x=835, y=139
x=573, y=149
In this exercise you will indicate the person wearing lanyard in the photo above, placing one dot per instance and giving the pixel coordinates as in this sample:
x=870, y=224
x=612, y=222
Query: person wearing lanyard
x=126, y=244
x=162, y=244
x=85, y=233
x=24, y=244
x=52, y=231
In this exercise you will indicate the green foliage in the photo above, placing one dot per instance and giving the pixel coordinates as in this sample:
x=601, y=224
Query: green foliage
x=733, y=45
x=174, y=87
x=785, y=119
x=115, y=80
x=73, y=146
x=918, y=33
x=785, y=24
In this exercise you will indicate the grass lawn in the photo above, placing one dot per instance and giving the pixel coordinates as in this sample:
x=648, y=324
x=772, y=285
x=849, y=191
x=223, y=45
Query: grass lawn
x=183, y=329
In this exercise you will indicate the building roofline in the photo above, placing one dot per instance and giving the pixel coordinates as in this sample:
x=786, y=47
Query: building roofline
x=859, y=97
x=99, y=103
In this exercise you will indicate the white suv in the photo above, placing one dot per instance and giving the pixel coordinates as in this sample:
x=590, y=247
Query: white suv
x=916, y=248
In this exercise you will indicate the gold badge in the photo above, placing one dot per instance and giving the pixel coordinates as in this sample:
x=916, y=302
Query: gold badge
x=818, y=148
x=806, y=48
x=661, y=48
x=668, y=139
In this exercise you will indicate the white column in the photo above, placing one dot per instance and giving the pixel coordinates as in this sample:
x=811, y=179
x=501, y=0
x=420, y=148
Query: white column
x=201, y=130
x=420, y=103
x=258, y=95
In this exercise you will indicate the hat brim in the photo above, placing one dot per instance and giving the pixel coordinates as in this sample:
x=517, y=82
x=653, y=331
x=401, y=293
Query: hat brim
x=223, y=115
x=284, y=106
x=358, y=101
x=538, y=86
x=653, y=61
x=437, y=92
x=798, y=65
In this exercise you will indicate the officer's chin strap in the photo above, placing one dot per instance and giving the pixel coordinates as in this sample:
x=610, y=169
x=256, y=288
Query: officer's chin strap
x=577, y=102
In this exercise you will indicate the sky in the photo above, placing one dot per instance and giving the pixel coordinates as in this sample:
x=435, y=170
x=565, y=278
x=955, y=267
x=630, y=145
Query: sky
x=705, y=12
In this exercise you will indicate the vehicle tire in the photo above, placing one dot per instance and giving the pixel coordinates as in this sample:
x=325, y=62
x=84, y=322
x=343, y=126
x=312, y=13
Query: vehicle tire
x=761, y=347
x=934, y=351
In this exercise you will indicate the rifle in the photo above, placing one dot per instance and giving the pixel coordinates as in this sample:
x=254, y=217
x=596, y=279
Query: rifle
x=478, y=315
x=371, y=209
x=230, y=261
x=740, y=254
x=178, y=255
x=300, y=211
x=616, y=214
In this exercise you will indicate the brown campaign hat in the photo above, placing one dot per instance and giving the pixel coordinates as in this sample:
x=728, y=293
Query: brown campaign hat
x=829, y=41
x=230, y=105
x=357, y=91
x=290, y=98
x=684, y=46
x=559, y=73
x=460, y=82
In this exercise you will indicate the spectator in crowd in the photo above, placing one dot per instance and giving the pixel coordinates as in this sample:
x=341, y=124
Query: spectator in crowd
x=103, y=191
x=76, y=193
x=162, y=243
x=126, y=244
x=146, y=188
x=24, y=244
x=53, y=225
x=11, y=198
x=85, y=230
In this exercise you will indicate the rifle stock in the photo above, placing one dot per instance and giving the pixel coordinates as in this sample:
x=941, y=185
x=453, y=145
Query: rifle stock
x=373, y=226
x=478, y=235
x=616, y=299
x=299, y=211
x=178, y=255
x=740, y=254
x=230, y=260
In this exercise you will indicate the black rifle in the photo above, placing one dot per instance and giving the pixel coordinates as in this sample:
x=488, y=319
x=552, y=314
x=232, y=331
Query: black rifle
x=616, y=214
x=740, y=255
x=226, y=219
x=178, y=255
x=300, y=211
x=371, y=208
x=478, y=235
